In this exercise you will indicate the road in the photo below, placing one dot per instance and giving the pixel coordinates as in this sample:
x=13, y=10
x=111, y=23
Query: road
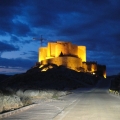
x=84, y=104
x=95, y=104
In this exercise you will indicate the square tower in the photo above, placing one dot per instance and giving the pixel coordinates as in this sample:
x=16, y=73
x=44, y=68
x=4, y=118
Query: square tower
x=82, y=53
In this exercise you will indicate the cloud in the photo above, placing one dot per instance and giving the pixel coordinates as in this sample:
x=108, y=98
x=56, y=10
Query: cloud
x=24, y=53
x=116, y=36
x=93, y=23
x=105, y=58
x=14, y=39
x=20, y=29
x=33, y=55
x=18, y=62
x=13, y=66
x=7, y=47
x=12, y=70
x=113, y=69
x=8, y=10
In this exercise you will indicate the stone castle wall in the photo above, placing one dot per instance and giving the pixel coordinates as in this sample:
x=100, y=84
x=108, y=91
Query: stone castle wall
x=82, y=53
x=70, y=62
x=62, y=47
x=90, y=66
x=42, y=53
x=69, y=55
x=54, y=49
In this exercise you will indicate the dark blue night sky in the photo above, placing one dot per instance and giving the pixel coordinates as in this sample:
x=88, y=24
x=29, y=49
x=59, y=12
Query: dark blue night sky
x=93, y=23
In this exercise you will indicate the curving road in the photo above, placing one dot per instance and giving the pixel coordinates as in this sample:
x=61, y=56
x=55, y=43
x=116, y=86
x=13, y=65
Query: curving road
x=94, y=104
x=84, y=104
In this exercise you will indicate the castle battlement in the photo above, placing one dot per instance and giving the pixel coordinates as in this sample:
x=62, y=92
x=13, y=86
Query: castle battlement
x=69, y=55
x=55, y=49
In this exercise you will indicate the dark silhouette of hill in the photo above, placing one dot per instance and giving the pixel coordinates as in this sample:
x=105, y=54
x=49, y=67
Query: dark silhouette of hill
x=56, y=77
x=22, y=89
x=3, y=77
x=115, y=83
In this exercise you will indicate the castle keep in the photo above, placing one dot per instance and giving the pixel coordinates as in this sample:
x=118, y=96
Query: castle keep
x=69, y=55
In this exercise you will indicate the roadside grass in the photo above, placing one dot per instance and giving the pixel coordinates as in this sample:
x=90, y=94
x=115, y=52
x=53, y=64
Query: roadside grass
x=11, y=100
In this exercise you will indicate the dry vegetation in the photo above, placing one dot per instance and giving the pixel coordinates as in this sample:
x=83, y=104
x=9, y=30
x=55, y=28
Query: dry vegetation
x=19, y=90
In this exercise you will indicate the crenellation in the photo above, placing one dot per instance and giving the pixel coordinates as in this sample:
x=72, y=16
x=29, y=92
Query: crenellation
x=69, y=55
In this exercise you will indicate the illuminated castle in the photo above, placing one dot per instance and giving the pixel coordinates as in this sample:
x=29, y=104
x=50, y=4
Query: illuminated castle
x=69, y=55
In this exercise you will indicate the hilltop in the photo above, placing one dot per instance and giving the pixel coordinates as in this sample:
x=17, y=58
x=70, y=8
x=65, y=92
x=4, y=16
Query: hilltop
x=22, y=89
x=56, y=77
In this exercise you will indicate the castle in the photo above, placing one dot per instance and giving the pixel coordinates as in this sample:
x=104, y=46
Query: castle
x=71, y=56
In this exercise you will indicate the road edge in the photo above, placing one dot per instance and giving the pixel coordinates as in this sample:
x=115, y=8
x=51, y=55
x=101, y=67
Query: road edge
x=4, y=115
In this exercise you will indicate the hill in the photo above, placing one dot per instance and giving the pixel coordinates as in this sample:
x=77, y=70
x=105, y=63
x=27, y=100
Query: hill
x=43, y=82
x=56, y=77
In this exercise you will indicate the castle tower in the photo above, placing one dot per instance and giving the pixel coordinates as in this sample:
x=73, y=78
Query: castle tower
x=69, y=55
x=62, y=47
x=82, y=53
x=51, y=50
x=42, y=54
x=54, y=49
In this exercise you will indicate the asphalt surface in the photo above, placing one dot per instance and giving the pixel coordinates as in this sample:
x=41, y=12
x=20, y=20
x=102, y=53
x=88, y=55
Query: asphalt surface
x=84, y=104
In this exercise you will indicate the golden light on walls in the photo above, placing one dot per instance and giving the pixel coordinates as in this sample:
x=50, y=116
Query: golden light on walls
x=104, y=74
x=82, y=52
x=73, y=55
x=54, y=49
x=67, y=54
x=42, y=53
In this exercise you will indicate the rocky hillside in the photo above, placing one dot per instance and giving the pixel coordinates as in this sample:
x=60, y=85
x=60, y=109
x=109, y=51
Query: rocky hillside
x=43, y=82
x=58, y=78
x=115, y=83
x=3, y=77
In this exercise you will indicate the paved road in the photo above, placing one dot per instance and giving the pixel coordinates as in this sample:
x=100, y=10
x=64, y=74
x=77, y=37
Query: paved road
x=83, y=104
x=96, y=104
